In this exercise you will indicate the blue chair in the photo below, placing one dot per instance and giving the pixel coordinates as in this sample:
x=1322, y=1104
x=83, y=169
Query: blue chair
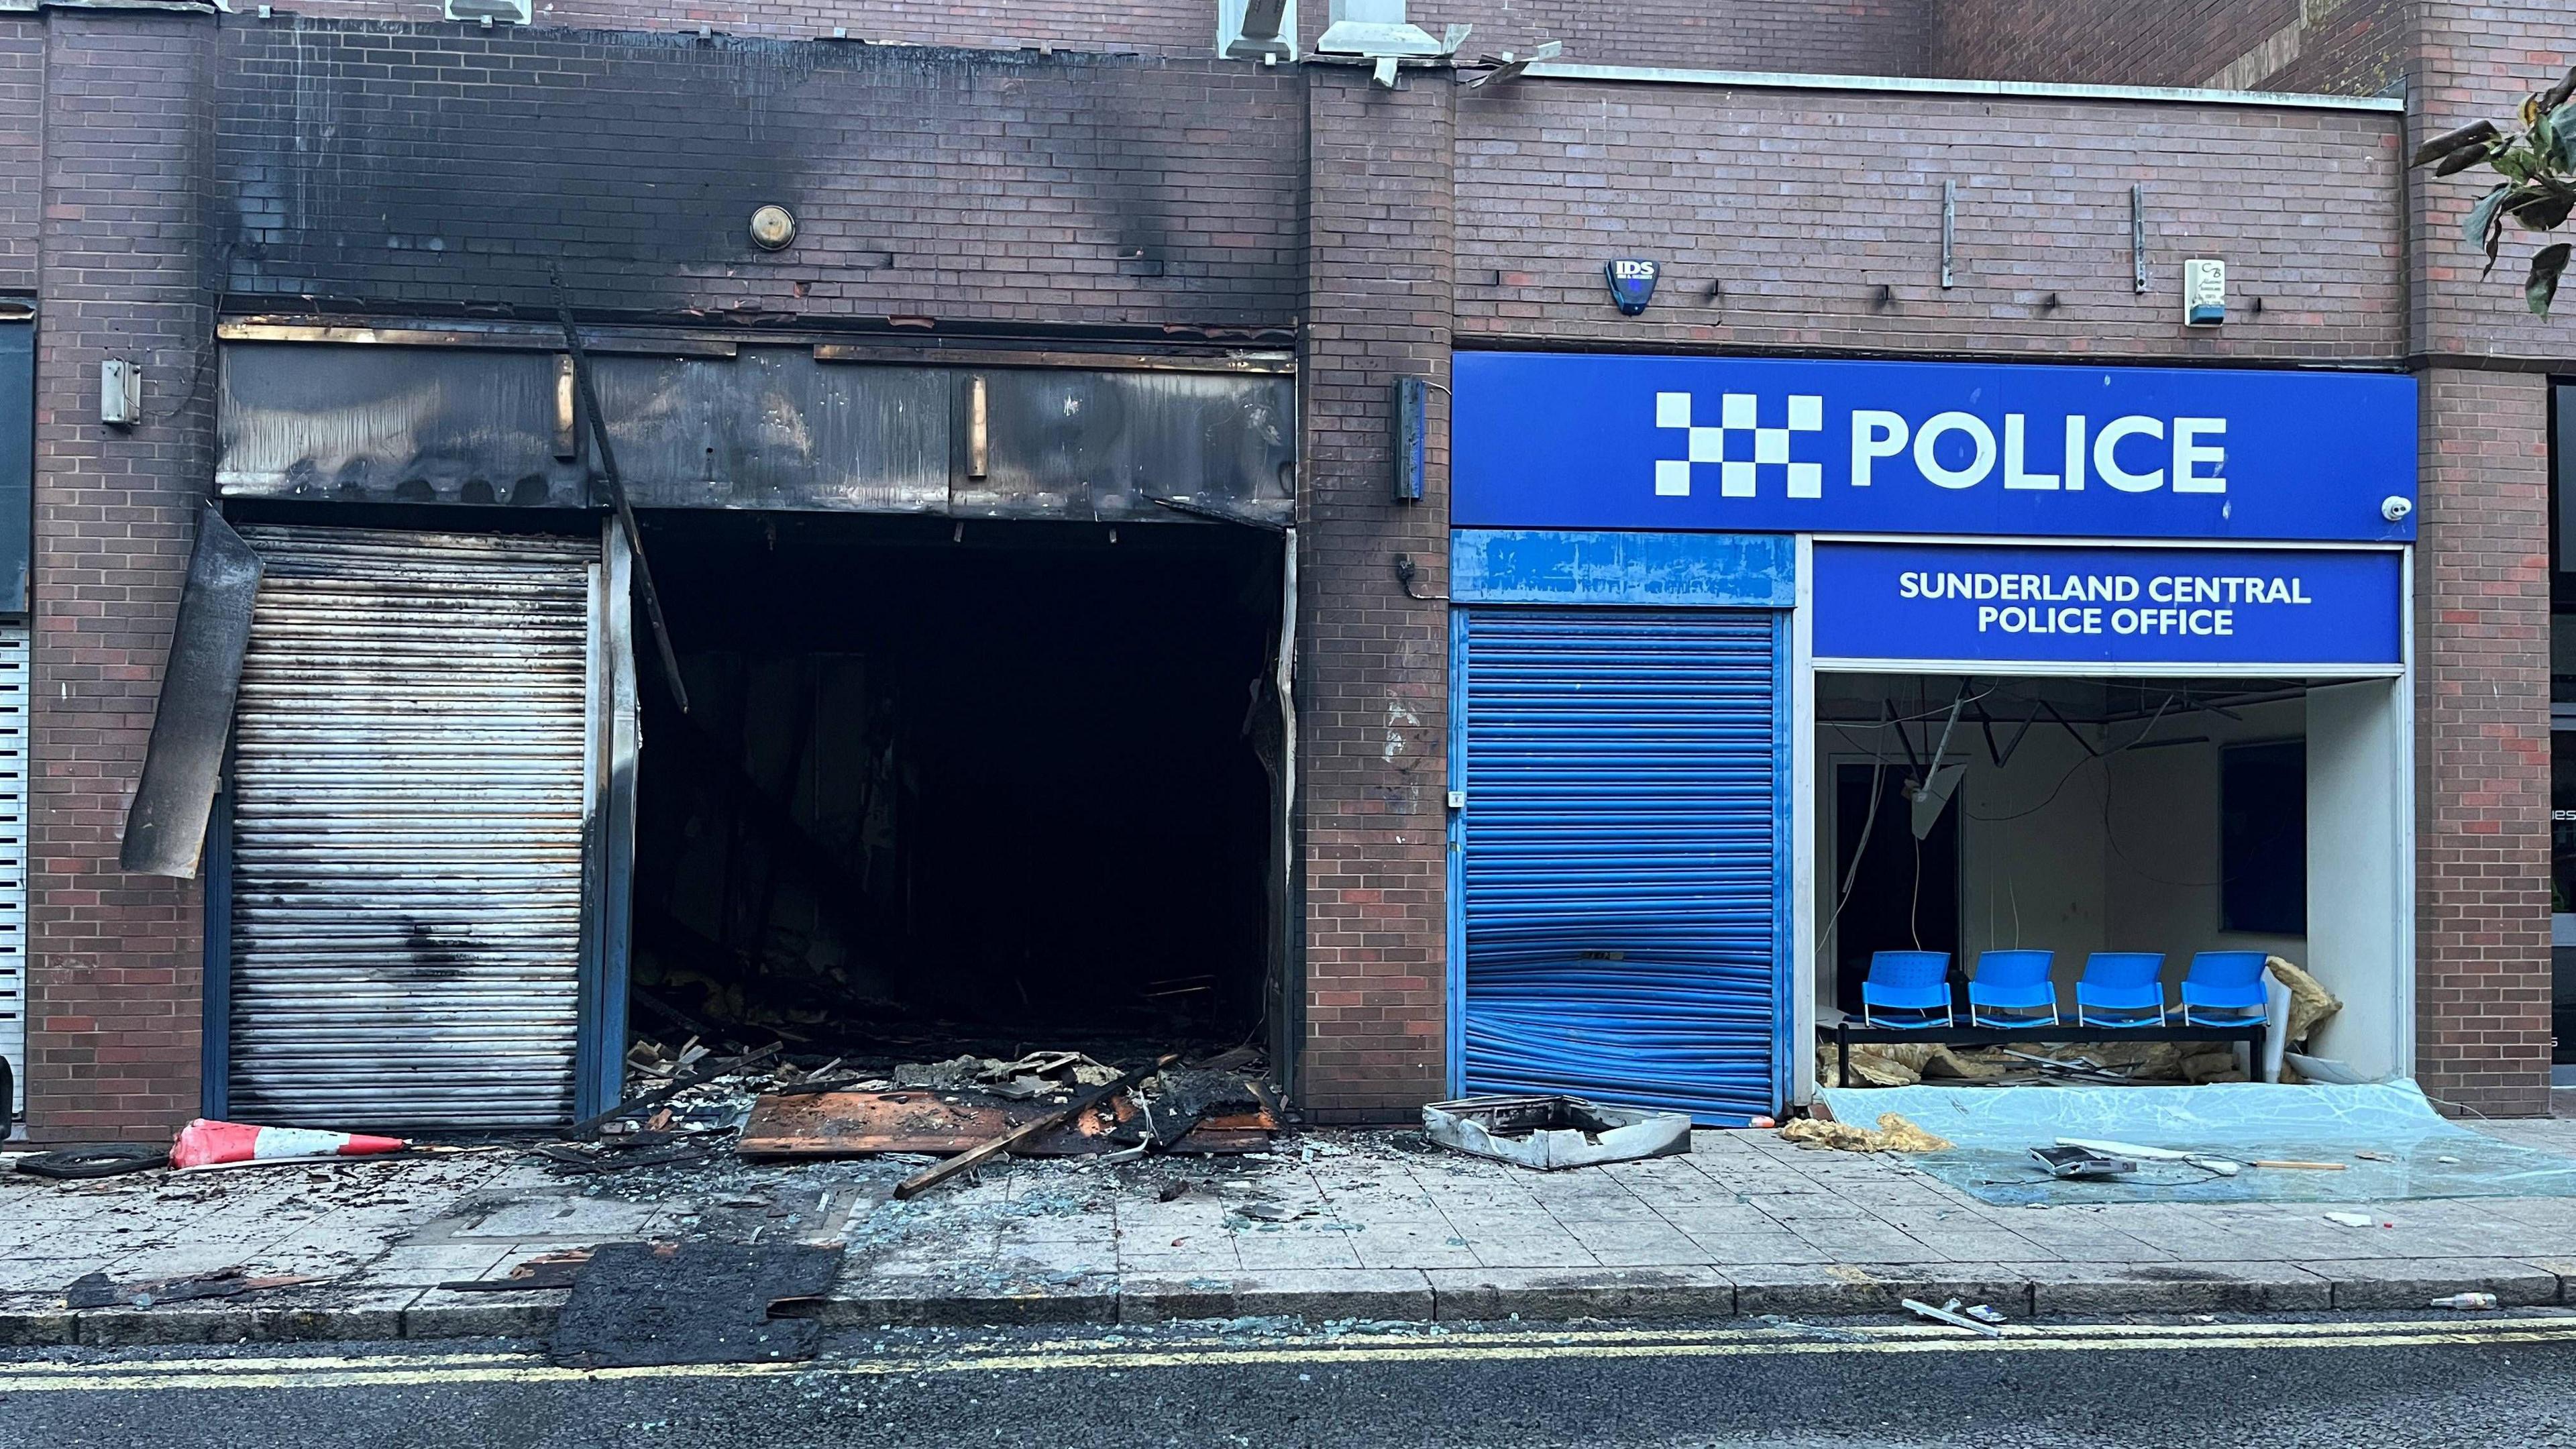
x=1916, y=981
x=2229, y=982
x=2125, y=981
x=2013, y=981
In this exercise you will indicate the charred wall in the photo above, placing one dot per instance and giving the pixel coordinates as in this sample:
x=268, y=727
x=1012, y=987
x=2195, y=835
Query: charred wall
x=441, y=170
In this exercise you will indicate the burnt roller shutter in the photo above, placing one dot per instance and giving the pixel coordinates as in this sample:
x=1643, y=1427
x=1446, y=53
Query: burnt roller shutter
x=1620, y=856
x=411, y=775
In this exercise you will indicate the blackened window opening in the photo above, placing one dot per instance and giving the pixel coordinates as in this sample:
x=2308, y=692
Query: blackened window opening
x=989, y=788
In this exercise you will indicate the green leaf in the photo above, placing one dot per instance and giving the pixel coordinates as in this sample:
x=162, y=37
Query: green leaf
x=2476, y=133
x=2461, y=160
x=2482, y=216
x=2552, y=135
x=2546, y=267
x=2545, y=209
x=2485, y=224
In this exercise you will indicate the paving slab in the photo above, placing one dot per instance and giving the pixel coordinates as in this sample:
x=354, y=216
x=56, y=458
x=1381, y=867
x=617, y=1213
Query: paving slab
x=918, y=1303
x=2092, y=1290
x=435, y=1314
x=358, y=1315
x=1487, y=1294
x=1800, y=1290
x=1745, y=1224
x=1325, y=1293
x=2416, y=1282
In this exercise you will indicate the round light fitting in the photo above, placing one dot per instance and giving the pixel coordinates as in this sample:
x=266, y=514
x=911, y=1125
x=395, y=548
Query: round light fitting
x=772, y=228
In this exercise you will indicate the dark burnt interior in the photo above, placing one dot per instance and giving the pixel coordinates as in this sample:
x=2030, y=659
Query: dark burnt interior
x=983, y=787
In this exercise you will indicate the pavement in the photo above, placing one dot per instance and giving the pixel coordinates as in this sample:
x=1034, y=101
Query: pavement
x=1381, y=1227
x=2168, y=1384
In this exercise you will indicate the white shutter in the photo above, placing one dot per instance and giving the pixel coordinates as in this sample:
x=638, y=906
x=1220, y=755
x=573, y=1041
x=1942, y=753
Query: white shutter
x=13, y=856
x=411, y=780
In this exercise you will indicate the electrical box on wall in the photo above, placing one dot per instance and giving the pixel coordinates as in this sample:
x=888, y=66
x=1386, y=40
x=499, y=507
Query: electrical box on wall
x=1409, y=413
x=120, y=393
x=2204, y=292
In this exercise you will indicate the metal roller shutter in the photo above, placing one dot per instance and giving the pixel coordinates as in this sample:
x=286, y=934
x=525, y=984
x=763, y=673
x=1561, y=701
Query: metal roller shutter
x=13, y=857
x=411, y=777
x=1621, y=862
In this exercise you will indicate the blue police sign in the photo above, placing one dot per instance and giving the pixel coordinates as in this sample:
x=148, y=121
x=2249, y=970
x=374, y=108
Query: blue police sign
x=1931, y=603
x=1547, y=441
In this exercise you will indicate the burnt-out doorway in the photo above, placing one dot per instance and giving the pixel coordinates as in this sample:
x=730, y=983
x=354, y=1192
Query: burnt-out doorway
x=1895, y=890
x=986, y=787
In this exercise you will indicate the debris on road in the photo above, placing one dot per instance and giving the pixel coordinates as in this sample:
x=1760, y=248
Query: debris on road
x=2223, y=1166
x=1266, y=1211
x=2077, y=1163
x=94, y=1290
x=1203, y=1110
x=1949, y=1313
x=106, y=1159
x=636, y=1305
x=549, y=1271
x=2467, y=1302
x=966, y=1161
x=1553, y=1132
x=2351, y=1220
x=1893, y=1134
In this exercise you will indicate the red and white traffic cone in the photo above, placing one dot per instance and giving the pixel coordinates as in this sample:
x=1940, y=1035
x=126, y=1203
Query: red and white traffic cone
x=202, y=1142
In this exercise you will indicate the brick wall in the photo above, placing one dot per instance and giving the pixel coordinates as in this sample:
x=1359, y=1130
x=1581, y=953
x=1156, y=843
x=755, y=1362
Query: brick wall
x=2482, y=744
x=1837, y=36
x=2359, y=48
x=2478, y=62
x=22, y=150
x=444, y=169
x=114, y=1023
x=1373, y=711
x=2103, y=42
x=2482, y=646
x=1801, y=205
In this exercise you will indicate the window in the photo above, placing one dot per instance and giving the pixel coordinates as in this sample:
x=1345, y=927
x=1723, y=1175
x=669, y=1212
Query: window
x=2263, y=838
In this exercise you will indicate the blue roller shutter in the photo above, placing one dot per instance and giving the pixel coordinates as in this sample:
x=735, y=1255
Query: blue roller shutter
x=1621, y=861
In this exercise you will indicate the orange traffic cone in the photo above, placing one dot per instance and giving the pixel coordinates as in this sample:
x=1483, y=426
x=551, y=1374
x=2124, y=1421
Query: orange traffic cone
x=202, y=1142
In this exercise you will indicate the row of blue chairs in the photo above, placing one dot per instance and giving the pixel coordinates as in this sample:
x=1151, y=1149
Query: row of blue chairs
x=2118, y=988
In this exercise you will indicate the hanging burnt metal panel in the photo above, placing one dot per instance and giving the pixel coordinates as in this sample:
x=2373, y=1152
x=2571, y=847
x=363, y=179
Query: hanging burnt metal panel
x=774, y=429
x=413, y=767
x=1106, y=446
x=380, y=424
x=763, y=427
x=1623, y=897
x=183, y=765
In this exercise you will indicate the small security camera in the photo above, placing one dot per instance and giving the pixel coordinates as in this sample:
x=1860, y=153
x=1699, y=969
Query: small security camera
x=2395, y=509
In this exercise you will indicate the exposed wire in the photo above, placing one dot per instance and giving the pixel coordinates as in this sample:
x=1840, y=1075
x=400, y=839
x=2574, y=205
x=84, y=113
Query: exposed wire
x=2078, y=765
x=1406, y=571
x=1877, y=774
x=1914, y=905
x=1892, y=722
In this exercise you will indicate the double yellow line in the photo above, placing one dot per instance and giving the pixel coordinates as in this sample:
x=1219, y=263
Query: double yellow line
x=402, y=1370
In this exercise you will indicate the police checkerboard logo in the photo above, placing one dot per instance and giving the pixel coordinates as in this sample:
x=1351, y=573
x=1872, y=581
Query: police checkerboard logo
x=1739, y=462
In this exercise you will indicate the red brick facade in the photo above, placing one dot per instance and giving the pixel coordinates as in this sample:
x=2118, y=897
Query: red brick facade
x=114, y=1019
x=156, y=164
x=1375, y=702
